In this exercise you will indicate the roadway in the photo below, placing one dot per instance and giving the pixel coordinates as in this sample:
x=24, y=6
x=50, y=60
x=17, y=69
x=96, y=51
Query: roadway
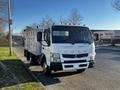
x=104, y=76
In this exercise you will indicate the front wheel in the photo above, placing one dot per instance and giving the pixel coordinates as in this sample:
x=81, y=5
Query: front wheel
x=46, y=69
x=81, y=70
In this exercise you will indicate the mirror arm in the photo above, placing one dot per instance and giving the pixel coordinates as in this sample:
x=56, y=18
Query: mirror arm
x=43, y=44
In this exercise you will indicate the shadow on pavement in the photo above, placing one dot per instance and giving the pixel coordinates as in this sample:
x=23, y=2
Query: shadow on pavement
x=103, y=51
x=53, y=78
x=115, y=58
x=46, y=80
x=12, y=73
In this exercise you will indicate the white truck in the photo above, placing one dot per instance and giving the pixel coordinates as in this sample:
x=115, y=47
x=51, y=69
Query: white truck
x=60, y=47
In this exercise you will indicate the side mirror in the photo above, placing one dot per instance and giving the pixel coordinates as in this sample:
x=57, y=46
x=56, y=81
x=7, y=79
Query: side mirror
x=48, y=40
x=39, y=36
x=96, y=37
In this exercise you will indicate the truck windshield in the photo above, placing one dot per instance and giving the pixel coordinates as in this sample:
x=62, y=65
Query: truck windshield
x=71, y=34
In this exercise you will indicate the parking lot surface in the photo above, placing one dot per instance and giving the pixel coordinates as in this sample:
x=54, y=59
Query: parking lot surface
x=104, y=76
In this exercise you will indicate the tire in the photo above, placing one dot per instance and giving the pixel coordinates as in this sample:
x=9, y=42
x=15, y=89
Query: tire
x=38, y=61
x=46, y=69
x=28, y=56
x=91, y=65
x=31, y=59
x=25, y=53
x=81, y=70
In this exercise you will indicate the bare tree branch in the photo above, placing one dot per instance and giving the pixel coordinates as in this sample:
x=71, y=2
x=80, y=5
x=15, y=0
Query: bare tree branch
x=34, y=25
x=75, y=17
x=47, y=22
x=3, y=13
x=62, y=20
x=116, y=4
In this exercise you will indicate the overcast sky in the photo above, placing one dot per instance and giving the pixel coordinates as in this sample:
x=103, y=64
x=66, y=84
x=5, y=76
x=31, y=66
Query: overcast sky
x=98, y=14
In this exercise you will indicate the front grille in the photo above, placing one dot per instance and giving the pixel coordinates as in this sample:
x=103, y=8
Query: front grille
x=68, y=66
x=83, y=65
x=68, y=56
x=82, y=55
x=75, y=61
x=75, y=55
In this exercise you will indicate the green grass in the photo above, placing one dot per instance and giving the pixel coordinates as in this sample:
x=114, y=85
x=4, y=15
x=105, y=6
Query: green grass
x=25, y=86
x=4, y=54
x=23, y=81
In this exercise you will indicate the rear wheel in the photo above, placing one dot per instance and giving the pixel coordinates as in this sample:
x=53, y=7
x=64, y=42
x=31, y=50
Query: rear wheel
x=39, y=61
x=27, y=55
x=46, y=69
x=81, y=70
x=32, y=59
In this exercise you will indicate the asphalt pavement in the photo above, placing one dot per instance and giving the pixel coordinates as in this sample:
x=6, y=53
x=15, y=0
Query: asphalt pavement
x=104, y=76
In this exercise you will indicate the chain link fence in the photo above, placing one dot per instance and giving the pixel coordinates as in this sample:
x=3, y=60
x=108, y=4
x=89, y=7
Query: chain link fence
x=7, y=77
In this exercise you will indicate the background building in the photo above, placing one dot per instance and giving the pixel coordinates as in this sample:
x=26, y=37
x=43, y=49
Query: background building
x=106, y=36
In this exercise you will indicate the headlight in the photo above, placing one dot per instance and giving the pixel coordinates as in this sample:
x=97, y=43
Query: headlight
x=55, y=57
x=92, y=58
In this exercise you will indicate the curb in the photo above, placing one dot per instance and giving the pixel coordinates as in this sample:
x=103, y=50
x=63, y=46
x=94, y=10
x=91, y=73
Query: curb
x=33, y=75
x=26, y=68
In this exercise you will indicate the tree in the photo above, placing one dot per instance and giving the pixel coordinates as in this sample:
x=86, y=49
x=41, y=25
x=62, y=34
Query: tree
x=116, y=4
x=3, y=13
x=5, y=17
x=2, y=25
x=62, y=20
x=47, y=21
x=34, y=26
x=75, y=17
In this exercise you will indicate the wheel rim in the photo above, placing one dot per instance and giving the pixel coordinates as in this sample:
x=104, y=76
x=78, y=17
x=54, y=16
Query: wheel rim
x=30, y=59
x=38, y=61
x=44, y=67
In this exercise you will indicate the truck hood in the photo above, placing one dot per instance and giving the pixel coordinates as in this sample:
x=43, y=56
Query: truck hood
x=71, y=49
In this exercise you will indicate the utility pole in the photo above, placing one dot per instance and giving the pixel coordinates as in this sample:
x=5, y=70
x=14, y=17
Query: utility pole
x=10, y=25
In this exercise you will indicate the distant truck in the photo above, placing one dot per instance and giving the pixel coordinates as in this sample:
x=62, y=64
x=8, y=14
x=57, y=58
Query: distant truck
x=60, y=47
x=107, y=36
x=115, y=37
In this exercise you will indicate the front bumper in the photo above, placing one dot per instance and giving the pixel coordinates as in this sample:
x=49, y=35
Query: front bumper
x=57, y=66
x=91, y=63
